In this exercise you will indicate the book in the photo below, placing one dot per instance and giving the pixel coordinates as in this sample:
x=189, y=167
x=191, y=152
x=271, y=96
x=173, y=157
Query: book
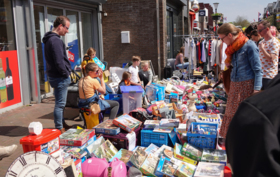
x=76, y=137
x=192, y=152
x=185, y=170
x=123, y=155
x=127, y=123
x=149, y=166
x=106, y=150
x=163, y=129
x=169, y=122
x=107, y=127
x=151, y=149
x=151, y=123
x=214, y=156
x=178, y=155
x=138, y=157
x=165, y=167
x=74, y=152
x=205, y=169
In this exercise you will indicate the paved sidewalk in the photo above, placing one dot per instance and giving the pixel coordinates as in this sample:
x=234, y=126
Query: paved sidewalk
x=14, y=125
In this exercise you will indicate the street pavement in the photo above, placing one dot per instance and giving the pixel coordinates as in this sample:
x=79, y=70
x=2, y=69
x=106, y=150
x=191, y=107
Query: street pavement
x=14, y=125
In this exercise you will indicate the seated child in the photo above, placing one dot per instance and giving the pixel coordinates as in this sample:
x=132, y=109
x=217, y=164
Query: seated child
x=88, y=58
x=125, y=81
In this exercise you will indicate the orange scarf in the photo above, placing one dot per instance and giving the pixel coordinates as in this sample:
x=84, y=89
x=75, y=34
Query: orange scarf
x=235, y=46
x=127, y=83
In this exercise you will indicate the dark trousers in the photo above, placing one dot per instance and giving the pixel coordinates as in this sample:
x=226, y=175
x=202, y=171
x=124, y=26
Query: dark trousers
x=143, y=78
x=265, y=83
x=114, y=106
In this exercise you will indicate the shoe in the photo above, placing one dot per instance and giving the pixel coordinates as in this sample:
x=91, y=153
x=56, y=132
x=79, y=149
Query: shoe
x=63, y=130
x=65, y=126
x=6, y=151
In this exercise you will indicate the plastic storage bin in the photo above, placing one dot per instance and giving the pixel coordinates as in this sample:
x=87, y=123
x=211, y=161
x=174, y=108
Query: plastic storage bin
x=148, y=137
x=132, y=98
x=48, y=141
x=203, y=140
x=115, y=97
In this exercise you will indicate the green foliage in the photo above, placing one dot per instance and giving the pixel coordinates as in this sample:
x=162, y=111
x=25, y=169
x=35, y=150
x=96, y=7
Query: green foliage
x=241, y=21
x=217, y=14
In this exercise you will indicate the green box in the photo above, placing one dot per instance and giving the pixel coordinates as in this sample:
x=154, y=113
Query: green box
x=191, y=152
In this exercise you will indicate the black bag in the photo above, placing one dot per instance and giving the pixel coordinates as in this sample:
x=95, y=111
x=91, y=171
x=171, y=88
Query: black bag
x=167, y=72
x=73, y=91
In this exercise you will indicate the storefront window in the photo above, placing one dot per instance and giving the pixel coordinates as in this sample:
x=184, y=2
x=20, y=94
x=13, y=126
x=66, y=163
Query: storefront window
x=87, y=31
x=9, y=72
x=73, y=40
x=7, y=37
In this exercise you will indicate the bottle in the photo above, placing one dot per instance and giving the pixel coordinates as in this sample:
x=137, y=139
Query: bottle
x=3, y=91
x=9, y=81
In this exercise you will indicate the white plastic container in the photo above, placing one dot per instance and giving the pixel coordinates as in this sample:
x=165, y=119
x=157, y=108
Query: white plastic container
x=132, y=98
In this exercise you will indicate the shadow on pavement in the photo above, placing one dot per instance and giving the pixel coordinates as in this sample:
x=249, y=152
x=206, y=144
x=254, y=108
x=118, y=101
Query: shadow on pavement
x=13, y=131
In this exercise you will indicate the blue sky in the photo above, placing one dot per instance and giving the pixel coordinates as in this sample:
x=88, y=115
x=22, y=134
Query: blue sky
x=232, y=8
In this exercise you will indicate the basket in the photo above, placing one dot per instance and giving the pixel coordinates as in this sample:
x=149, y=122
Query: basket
x=159, y=139
x=203, y=140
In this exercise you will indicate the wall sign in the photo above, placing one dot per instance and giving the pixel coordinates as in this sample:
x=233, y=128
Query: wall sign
x=202, y=13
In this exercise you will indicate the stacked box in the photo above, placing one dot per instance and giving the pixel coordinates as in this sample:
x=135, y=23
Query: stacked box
x=214, y=156
x=149, y=166
x=107, y=127
x=123, y=155
x=76, y=137
x=178, y=155
x=127, y=123
x=165, y=167
x=191, y=152
x=185, y=170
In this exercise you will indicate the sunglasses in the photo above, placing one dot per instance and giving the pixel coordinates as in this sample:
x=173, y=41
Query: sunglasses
x=261, y=30
x=65, y=27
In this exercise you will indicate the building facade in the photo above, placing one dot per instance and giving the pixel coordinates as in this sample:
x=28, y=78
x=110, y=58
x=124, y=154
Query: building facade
x=23, y=79
x=155, y=26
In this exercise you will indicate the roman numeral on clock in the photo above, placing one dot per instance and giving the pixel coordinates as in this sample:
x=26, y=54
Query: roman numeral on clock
x=22, y=161
x=12, y=174
x=58, y=170
x=48, y=160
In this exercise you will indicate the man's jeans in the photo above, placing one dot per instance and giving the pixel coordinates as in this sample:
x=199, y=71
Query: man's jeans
x=60, y=93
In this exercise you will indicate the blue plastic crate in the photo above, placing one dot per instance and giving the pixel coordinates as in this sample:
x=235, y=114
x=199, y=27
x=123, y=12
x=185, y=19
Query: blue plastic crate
x=148, y=137
x=203, y=140
x=114, y=97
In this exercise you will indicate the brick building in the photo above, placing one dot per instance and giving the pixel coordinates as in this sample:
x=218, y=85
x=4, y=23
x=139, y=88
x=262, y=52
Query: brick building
x=151, y=30
x=210, y=24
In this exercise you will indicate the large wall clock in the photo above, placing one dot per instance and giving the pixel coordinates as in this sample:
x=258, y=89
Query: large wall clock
x=35, y=164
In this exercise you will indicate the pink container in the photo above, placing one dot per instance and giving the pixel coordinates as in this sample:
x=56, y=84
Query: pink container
x=118, y=168
x=95, y=167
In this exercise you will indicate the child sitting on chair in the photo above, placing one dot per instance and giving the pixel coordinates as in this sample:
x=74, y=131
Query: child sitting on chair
x=88, y=58
x=125, y=81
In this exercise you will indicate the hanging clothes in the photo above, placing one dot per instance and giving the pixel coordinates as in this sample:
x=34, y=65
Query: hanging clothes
x=213, y=52
x=206, y=66
x=187, y=46
x=194, y=59
x=223, y=55
x=203, y=55
x=209, y=47
x=219, y=42
x=198, y=51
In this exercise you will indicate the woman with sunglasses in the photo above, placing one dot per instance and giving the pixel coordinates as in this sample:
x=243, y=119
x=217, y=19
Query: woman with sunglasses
x=89, y=85
x=246, y=75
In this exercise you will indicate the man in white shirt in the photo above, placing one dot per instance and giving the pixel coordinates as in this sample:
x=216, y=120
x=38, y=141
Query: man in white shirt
x=133, y=69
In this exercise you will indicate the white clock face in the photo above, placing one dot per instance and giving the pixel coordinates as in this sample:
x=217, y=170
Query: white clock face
x=35, y=164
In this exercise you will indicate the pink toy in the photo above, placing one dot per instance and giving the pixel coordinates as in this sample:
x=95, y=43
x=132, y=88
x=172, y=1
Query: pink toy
x=118, y=168
x=95, y=167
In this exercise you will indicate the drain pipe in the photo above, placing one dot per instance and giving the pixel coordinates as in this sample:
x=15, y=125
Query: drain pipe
x=158, y=40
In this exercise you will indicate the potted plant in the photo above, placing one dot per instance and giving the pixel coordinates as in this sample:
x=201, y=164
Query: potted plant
x=216, y=16
x=220, y=23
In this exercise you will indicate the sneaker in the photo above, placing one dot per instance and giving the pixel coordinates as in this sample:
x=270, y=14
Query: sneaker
x=6, y=151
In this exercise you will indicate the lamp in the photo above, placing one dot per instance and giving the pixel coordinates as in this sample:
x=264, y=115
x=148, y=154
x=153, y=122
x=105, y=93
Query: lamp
x=216, y=4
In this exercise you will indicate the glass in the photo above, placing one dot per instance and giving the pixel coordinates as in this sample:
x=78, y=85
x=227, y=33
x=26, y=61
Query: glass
x=169, y=34
x=177, y=29
x=87, y=31
x=7, y=36
x=52, y=14
x=73, y=35
x=40, y=32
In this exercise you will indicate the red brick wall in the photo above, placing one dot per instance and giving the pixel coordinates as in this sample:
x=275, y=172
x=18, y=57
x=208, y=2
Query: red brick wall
x=138, y=17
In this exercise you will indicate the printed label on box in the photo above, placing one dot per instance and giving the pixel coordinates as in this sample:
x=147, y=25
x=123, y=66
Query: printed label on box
x=50, y=146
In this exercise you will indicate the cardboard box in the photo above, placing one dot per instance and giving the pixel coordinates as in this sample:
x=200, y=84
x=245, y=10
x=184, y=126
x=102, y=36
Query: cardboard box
x=192, y=152
x=178, y=155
